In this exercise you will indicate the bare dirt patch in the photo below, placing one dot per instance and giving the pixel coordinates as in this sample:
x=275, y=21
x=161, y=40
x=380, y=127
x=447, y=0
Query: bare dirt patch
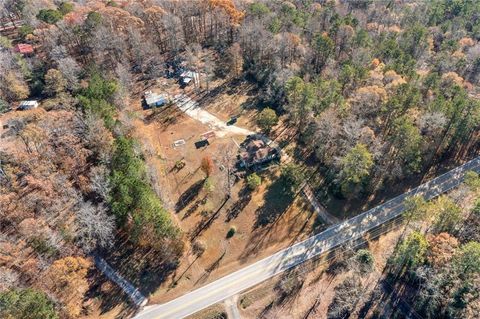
x=213, y=312
x=264, y=220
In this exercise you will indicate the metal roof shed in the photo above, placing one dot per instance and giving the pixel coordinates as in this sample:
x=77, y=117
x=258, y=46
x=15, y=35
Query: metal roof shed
x=28, y=105
x=154, y=99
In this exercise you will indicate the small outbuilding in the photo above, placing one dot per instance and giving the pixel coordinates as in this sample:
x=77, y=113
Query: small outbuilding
x=187, y=77
x=22, y=48
x=201, y=143
x=28, y=105
x=152, y=100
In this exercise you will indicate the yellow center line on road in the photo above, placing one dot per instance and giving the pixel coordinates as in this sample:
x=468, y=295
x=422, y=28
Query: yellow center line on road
x=233, y=283
x=205, y=296
x=278, y=263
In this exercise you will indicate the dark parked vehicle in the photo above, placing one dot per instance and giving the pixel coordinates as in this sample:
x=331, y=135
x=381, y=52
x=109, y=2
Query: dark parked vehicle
x=232, y=120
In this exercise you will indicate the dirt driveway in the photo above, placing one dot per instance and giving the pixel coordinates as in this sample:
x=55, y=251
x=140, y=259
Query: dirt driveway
x=192, y=109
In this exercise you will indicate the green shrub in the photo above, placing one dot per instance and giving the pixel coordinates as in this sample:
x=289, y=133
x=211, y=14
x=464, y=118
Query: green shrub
x=93, y=20
x=467, y=259
x=472, y=180
x=267, y=119
x=179, y=165
x=3, y=106
x=65, y=8
x=208, y=185
x=25, y=30
x=258, y=9
x=253, y=181
x=291, y=178
x=42, y=247
x=49, y=16
x=231, y=232
x=245, y=302
x=97, y=96
x=366, y=260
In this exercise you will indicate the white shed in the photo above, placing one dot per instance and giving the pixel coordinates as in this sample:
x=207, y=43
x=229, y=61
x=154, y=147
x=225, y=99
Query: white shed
x=28, y=105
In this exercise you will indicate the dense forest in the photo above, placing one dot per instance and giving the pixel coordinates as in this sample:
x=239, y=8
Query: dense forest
x=439, y=256
x=372, y=94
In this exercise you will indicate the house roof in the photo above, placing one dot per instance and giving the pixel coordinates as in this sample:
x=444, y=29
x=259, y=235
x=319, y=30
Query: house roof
x=23, y=48
x=188, y=74
x=256, y=150
x=260, y=154
x=255, y=145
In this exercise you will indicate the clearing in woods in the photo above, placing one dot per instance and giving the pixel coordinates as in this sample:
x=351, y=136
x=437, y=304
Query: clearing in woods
x=264, y=220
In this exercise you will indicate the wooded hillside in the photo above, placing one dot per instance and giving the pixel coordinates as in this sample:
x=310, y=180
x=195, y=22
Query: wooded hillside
x=365, y=95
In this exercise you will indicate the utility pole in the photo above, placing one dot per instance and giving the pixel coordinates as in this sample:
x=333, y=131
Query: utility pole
x=227, y=160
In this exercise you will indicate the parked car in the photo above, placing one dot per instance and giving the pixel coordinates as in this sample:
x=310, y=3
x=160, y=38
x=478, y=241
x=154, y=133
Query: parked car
x=232, y=120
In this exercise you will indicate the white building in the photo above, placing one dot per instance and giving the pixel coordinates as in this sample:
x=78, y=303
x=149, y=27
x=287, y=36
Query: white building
x=188, y=76
x=28, y=105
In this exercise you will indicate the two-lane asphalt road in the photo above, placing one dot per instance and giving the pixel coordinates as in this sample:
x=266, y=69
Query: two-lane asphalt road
x=321, y=243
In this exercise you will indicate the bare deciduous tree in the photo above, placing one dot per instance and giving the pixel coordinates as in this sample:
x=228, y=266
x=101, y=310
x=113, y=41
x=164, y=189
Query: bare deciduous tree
x=94, y=226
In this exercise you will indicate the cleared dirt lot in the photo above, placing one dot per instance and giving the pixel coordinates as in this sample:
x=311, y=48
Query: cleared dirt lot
x=264, y=220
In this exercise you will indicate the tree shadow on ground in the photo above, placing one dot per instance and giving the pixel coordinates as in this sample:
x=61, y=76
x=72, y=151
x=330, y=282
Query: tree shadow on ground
x=373, y=303
x=289, y=285
x=210, y=96
x=143, y=267
x=250, y=104
x=392, y=301
x=211, y=268
x=109, y=295
x=276, y=202
x=263, y=236
x=265, y=311
x=194, y=207
x=311, y=213
x=244, y=198
x=188, y=195
x=166, y=115
x=232, y=87
x=206, y=221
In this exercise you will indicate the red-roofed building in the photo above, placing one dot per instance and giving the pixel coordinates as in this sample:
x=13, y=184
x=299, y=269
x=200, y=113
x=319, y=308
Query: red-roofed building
x=23, y=48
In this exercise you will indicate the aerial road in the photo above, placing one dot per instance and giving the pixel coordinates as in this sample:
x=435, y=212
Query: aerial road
x=314, y=246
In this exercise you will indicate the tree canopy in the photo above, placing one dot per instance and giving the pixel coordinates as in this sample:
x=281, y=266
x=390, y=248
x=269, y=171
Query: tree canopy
x=356, y=167
x=26, y=304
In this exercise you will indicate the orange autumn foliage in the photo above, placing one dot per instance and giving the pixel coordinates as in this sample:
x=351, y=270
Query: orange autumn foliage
x=207, y=165
x=442, y=249
x=235, y=15
x=67, y=279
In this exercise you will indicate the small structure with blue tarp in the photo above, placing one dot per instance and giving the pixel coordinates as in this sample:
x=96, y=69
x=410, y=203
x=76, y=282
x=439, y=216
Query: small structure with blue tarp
x=152, y=100
x=187, y=76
